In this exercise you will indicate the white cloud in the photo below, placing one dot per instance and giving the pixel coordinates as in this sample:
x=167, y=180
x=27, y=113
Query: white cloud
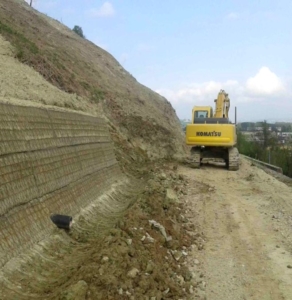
x=264, y=83
x=106, y=10
x=200, y=93
x=232, y=16
x=265, y=89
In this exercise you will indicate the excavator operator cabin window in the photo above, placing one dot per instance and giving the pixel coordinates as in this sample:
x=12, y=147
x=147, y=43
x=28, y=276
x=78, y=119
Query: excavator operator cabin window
x=201, y=114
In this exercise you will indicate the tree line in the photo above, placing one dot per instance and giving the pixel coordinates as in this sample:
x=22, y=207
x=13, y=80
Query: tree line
x=267, y=150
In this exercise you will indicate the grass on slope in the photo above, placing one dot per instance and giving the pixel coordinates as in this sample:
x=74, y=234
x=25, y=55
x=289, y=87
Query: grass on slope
x=48, y=64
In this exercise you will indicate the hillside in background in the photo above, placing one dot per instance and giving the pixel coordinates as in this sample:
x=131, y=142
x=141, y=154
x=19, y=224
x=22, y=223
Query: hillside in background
x=143, y=124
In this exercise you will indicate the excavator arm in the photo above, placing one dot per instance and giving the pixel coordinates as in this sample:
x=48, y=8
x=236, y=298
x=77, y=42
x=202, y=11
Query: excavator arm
x=222, y=105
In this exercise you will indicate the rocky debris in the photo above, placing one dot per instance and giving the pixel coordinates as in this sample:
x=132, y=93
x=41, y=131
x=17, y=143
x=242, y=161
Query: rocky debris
x=75, y=292
x=162, y=176
x=147, y=238
x=170, y=198
x=161, y=229
x=191, y=289
x=105, y=259
x=177, y=255
x=133, y=273
x=150, y=267
x=180, y=279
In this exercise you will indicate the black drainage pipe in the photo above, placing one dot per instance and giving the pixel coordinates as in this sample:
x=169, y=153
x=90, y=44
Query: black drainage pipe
x=62, y=221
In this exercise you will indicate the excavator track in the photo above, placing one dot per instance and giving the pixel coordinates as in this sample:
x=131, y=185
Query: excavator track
x=195, y=158
x=233, y=159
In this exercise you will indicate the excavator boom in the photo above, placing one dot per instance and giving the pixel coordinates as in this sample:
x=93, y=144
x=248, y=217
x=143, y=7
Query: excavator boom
x=222, y=105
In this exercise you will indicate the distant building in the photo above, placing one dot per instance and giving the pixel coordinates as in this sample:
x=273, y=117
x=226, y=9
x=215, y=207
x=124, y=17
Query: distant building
x=286, y=134
x=249, y=135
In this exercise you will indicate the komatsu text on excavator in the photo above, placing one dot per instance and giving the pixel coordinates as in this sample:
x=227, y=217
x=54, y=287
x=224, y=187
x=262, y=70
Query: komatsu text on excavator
x=212, y=135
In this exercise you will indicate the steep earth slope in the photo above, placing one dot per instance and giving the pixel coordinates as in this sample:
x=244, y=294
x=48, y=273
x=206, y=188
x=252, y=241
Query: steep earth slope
x=115, y=249
x=142, y=121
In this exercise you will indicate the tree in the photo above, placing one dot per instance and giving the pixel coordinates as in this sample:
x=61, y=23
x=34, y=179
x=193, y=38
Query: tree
x=286, y=128
x=77, y=29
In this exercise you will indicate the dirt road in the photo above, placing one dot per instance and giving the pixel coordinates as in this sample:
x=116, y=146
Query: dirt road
x=246, y=217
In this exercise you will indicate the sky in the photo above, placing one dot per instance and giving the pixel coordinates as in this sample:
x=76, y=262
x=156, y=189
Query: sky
x=188, y=50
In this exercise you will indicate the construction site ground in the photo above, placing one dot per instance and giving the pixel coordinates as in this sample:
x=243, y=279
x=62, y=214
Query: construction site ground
x=165, y=230
x=246, y=218
x=230, y=239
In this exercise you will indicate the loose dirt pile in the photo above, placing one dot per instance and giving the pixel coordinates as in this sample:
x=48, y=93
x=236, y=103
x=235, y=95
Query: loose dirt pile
x=144, y=256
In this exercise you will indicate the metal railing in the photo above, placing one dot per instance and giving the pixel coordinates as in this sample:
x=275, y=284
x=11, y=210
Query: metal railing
x=264, y=164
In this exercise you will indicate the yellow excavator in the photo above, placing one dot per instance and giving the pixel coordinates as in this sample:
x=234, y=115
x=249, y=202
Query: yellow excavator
x=213, y=136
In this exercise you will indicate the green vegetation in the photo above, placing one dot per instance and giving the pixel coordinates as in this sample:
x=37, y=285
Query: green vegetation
x=97, y=95
x=251, y=149
x=78, y=30
x=50, y=64
x=287, y=128
x=26, y=51
x=268, y=151
x=24, y=47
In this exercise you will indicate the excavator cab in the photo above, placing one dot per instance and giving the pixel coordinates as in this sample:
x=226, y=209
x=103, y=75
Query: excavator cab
x=204, y=115
x=202, y=112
